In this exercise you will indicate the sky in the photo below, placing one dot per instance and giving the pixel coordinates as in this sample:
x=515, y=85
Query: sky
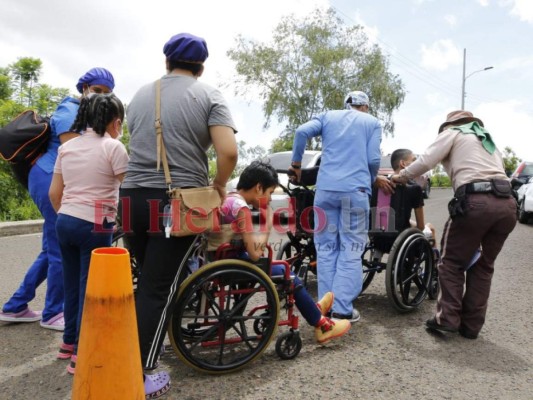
x=424, y=41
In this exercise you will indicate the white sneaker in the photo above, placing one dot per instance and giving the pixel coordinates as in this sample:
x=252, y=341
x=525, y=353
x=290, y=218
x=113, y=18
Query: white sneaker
x=352, y=318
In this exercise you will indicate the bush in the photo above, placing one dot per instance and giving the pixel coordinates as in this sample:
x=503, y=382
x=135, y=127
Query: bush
x=440, y=180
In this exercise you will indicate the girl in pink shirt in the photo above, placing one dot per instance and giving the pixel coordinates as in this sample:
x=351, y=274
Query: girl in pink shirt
x=84, y=193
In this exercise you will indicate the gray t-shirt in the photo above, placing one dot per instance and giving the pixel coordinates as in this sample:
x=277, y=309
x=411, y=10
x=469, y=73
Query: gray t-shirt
x=188, y=109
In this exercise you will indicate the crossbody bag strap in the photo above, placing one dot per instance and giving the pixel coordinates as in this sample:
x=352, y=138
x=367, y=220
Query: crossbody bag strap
x=161, y=150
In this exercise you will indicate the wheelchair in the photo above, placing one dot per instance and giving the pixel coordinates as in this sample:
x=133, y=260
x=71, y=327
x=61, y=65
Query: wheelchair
x=227, y=312
x=404, y=253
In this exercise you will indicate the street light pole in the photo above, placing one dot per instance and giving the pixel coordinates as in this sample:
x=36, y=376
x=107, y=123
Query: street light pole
x=463, y=92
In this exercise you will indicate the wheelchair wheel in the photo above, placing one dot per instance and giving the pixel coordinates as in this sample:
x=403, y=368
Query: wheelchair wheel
x=218, y=334
x=368, y=274
x=289, y=252
x=288, y=345
x=409, y=270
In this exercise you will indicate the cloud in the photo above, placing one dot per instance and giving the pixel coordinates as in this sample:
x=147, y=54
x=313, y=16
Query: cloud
x=440, y=55
x=523, y=9
x=483, y=3
x=450, y=19
x=510, y=124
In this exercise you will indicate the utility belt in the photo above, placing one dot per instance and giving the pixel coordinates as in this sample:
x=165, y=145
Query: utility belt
x=498, y=187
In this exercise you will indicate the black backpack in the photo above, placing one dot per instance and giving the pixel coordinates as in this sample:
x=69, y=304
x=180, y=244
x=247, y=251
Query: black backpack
x=22, y=141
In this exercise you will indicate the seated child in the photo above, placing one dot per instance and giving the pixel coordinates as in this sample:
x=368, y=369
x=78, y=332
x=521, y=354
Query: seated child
x=255, y=187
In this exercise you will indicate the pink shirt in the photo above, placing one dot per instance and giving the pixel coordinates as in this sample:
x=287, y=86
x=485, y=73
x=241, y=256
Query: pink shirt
x=90, y=165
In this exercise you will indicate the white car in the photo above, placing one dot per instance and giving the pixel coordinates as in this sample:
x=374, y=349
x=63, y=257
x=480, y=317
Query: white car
x=525, y=201
x=282, y=161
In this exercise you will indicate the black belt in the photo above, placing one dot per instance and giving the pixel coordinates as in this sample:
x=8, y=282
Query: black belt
x=478, y=187
x=503, y=187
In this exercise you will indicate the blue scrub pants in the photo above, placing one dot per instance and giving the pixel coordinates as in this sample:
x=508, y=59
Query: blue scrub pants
x=48, y=263
x=341, y=221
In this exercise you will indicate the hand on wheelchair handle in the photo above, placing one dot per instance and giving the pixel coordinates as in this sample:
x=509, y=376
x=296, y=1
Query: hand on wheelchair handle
x=294, y=175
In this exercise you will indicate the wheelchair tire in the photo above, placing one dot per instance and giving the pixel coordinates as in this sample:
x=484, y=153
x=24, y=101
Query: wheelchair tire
x=409, y=270
x=289, y=252
x=219, y=336
x=288, y=345
x=368, y=275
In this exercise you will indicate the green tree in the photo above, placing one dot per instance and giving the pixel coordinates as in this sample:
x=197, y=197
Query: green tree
x=15, y=202
x=309, y=66
x=26, y=71
x=5, y=85
x=510, y=160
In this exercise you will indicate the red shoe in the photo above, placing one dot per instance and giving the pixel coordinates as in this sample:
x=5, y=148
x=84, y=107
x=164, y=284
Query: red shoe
x=65, y=351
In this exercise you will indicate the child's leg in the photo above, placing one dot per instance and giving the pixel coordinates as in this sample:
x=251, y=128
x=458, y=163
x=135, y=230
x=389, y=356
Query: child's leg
x=302, y=298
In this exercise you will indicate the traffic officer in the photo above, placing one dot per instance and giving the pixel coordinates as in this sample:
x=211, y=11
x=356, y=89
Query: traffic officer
x=482, y=212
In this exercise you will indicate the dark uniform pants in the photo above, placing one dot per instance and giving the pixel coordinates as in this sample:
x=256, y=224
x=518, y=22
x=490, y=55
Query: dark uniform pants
x=488, y=221
x=162, y=263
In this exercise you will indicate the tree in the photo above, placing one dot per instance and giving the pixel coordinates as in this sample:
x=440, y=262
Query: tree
x=308, y=68
x=26, y=71
x=510, y=160
x=5, y=85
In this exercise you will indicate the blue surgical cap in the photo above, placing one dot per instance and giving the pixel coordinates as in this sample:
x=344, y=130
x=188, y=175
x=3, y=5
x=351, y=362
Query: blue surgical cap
x=186, y=48
x=96, y=76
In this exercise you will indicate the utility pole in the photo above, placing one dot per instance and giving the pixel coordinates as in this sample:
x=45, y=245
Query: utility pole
x=465, y=77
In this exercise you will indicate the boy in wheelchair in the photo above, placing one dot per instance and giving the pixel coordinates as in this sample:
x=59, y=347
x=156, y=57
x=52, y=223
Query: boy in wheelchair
x=407, y=198
x=255, y=187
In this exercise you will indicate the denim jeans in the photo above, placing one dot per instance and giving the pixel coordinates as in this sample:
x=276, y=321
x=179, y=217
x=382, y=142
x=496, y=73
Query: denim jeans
x=48, y=263
x=77, y=239
x=341, y=223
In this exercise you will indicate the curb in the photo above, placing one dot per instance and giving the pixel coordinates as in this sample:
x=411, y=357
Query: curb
x=21, y=227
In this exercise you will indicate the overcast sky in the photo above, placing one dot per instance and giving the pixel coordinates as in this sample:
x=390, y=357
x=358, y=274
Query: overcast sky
x=424, y=40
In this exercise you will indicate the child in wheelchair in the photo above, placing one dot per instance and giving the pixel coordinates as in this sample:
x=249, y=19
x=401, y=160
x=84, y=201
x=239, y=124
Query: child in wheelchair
x=255, y=187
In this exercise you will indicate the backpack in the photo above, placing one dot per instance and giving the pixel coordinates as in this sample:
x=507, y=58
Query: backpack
x=22, y=141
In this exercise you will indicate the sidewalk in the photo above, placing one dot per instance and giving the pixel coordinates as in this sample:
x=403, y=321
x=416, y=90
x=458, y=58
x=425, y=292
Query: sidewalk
x=21, y=227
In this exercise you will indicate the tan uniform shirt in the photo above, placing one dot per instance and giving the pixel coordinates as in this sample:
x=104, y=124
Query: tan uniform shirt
x=463, y=157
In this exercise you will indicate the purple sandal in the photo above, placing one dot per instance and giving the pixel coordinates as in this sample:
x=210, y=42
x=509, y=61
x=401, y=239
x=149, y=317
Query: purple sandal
x=156, y=385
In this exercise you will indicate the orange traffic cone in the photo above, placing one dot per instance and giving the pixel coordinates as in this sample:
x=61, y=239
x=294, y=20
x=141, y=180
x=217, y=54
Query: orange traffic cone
x=109, y=360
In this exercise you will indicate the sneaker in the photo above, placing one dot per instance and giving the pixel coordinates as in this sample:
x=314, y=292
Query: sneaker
x=56, y=323
x=433, y=325
x=353, y=317
x=325, y=303
x=328, y=329
x=156, y=385
x=65, y=351
x=25, y=315
x=71, y=367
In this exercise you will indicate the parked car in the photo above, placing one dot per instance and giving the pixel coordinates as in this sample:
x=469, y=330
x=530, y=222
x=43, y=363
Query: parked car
x=385, y=168
x=523, y=172
x=525, y=201
x=282, y=161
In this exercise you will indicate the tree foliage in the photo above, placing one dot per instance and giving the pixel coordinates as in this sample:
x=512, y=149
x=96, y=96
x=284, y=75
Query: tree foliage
x=26, y=72
x=510, y=160
x=309, y=66
x=19, y=90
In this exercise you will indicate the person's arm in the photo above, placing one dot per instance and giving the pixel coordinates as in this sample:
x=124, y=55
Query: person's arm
x=56, y=191
x=225, y=145
x=385, y=184
x=65, y=137
x=373, y=151
x=301, y=136
x=255, y=242
x=419, y=216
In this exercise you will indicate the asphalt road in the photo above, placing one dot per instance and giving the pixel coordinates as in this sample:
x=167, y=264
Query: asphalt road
x=385, y=356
